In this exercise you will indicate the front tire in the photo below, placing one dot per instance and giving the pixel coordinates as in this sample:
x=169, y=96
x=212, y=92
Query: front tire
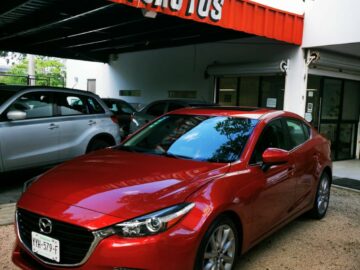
x=219, y=247
x=322, y=197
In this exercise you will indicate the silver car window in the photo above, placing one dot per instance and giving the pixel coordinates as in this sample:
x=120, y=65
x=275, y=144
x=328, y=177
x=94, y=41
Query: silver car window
x=35, y=105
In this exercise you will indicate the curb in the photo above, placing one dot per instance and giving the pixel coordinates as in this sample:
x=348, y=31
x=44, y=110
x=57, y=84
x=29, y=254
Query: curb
x=345, y=188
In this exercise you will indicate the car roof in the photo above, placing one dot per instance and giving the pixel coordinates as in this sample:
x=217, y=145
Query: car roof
x=17, y=88
x=232, y=111
x=186, y=101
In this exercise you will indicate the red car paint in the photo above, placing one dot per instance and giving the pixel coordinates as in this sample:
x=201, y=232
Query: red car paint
x=110, y=186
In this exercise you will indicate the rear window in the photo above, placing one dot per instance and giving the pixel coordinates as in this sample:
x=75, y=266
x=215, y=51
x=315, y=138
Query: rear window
x=94, y=106
x=70, y=104
x=297, y=132
x=5, y=95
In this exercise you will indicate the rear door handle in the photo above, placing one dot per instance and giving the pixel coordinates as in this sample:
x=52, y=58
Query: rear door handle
x=92, y=122
x=53, y=126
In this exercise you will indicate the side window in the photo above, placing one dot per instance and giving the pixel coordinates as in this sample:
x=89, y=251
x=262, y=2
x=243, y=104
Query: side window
x=297, y=134
x=70, y=104
x=94, y=106
x=125, y=108
x=157, y=109
x=174, y=106
x=307, y=130
x=273, y=136
x=35, y=105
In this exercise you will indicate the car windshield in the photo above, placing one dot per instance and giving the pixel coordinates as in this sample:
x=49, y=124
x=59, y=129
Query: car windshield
x=5, y=95
x=202, y=138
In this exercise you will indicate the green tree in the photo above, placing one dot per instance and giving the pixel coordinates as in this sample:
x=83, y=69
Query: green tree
x=48, y=71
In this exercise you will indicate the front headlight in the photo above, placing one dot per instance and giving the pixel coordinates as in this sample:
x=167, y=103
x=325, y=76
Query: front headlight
x=150, y=224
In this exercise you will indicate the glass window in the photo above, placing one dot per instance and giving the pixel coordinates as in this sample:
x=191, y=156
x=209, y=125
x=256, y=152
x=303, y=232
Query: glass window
x=296, y=132
x=307, y=131
x=70, y=104
x=126, y=108
x=175, y=106
x=272, y=95
x=331, y=100
x=156, y=109
x=203, y=138
x=249, y=91
x=351, y=102
x=94, y=106
x=5, y=95
x=273, y=136
x=35, y=105
x=228, y=91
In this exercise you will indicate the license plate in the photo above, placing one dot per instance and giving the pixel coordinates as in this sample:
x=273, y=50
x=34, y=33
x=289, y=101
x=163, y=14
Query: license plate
x=45, y=246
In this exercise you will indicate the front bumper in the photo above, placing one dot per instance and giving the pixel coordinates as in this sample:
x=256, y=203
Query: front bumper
x=173, y=249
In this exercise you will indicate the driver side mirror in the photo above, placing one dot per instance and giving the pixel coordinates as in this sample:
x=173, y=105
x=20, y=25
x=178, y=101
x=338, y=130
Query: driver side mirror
x=16, y=115
x=274, y=156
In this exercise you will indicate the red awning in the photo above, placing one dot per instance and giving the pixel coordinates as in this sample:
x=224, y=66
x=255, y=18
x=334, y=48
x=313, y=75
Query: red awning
x=241, y=15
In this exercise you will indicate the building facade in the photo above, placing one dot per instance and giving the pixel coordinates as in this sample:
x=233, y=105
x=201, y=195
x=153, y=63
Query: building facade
x=319, y=78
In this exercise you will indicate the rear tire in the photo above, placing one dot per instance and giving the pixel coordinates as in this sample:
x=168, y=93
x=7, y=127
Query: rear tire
x=97, y=144
x=219, y=247
x=322, y=198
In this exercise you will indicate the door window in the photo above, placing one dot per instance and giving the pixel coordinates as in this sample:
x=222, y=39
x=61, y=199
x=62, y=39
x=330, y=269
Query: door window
x=35, y=105
x=94, y=106
x=273, y=136
x=70, y=104
x=297, y=133
x=175, y=106
x=156, y=109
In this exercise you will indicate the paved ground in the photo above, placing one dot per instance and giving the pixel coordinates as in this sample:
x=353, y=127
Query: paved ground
x=11, y=184
x=330, y=244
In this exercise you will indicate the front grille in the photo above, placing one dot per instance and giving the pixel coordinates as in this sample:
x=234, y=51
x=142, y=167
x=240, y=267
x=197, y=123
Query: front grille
x=75, y=241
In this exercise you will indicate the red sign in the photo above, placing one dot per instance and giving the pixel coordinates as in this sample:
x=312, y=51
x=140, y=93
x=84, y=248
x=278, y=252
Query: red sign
x=240, y=15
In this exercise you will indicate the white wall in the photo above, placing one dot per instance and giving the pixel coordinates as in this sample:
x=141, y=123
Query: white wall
x=158, y=71
x=78, y=72
x=293, y=6
x=329, y=22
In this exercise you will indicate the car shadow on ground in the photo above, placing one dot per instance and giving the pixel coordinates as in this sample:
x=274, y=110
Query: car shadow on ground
x=11, y=184
x=262, y=249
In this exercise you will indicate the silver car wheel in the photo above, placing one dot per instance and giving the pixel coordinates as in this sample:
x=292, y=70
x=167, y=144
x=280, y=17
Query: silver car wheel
x=220, y=249
x=323, y=194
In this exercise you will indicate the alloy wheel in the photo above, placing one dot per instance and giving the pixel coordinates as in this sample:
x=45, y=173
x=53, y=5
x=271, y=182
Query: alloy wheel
x=323, y=194
x=220, y=249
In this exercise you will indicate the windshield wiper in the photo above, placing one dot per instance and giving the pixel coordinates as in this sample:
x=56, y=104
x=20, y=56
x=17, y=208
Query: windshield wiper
x=167, y=154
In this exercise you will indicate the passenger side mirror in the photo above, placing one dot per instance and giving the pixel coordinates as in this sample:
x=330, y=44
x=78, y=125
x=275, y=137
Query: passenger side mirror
x=16, y=115
x=274, y=156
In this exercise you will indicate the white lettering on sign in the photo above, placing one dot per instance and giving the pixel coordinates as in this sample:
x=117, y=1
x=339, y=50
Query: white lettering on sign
x=175, y=5
x=204, y=8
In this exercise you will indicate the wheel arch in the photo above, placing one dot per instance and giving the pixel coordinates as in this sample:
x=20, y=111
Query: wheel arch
x=328, y=171
x=101, y=136
x=239, y=226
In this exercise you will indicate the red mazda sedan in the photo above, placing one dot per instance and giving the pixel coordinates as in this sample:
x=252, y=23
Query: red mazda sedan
x=191, y=190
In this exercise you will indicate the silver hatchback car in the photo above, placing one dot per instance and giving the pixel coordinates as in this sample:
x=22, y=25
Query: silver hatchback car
x=42, y=126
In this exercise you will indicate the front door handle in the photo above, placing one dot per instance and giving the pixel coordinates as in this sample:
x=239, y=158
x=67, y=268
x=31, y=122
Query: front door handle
x=92, y=122
x=53, y=126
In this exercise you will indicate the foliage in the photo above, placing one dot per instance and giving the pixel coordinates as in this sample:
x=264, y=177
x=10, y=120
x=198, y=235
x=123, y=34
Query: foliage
x=48, y=71
x=11, y=57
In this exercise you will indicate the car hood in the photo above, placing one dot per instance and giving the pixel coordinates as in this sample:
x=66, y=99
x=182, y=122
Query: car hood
x=124, y=184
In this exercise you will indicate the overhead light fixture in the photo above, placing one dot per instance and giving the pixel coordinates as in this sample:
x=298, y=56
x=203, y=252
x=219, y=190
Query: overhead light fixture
x=149, y=13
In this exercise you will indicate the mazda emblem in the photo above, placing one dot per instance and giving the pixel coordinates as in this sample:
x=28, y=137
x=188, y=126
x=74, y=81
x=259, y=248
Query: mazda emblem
x=45, y=225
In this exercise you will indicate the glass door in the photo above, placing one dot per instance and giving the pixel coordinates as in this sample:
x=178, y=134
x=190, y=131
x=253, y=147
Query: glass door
x=335, y=108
